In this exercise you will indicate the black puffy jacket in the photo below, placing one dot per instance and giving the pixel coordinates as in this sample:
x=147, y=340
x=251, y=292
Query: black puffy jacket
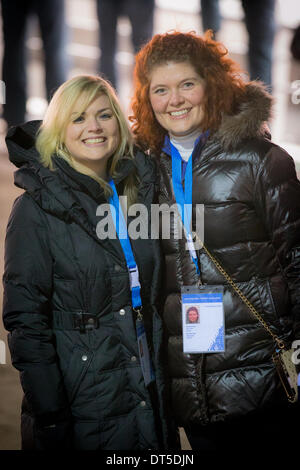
x=67, y=306
x=251, y=198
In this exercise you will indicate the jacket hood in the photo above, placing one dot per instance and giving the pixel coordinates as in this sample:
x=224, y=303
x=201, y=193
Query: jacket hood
x=32, y=175
x=57, y=192
x=20, y=141
x=249, y=121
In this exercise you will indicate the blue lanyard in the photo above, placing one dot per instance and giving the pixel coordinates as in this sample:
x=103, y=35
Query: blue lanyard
x=184, y=198
x=121, y=229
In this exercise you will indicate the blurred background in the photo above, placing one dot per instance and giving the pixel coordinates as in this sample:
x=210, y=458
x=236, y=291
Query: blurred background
x=52, y=41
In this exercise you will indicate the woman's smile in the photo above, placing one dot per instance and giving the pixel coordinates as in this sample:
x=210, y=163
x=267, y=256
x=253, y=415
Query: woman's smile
x=94, y=141
x=179, y=114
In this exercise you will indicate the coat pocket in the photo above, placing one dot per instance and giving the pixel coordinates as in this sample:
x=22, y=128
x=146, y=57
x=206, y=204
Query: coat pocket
x=76, y=371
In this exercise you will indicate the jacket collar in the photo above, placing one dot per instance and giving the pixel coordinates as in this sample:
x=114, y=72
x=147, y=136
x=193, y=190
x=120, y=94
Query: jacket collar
x=199, y=142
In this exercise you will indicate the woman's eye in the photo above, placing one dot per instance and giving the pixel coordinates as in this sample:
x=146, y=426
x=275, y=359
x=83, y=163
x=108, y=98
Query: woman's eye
x=105, y=116
x=159, y=91
x=188, y=84
x=78, y=119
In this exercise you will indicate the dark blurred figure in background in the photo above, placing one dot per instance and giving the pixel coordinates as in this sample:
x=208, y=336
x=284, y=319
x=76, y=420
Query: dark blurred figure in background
x=295, y=44
x=140, y=14
x=260, y=24
x=51, y=16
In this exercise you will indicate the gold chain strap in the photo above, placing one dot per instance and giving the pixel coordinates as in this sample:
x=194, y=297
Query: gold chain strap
x=280, y=343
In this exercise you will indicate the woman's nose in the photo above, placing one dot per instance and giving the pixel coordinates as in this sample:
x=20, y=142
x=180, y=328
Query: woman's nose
x=176, y=98
x=94, y=124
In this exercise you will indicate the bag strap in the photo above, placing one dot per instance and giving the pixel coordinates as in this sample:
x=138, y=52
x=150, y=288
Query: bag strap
x=252, y=309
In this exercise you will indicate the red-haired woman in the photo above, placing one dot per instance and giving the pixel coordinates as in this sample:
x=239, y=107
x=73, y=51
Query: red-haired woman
x=192, y=106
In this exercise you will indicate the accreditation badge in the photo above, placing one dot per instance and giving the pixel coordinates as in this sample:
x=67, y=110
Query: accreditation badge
x=203, y=322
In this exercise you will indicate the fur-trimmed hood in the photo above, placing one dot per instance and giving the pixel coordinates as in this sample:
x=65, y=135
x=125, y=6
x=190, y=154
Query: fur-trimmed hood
x=249, y=121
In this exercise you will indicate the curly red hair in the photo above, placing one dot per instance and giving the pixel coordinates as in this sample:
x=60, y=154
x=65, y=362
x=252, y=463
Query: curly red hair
x=224, y=86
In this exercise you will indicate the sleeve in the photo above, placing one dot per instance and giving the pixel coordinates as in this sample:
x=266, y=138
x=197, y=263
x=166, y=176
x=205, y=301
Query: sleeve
x=277, y=196
x=27, y=285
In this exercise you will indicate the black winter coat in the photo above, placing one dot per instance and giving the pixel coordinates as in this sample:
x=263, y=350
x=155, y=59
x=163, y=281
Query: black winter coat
x=67, y=306
x=251, y=198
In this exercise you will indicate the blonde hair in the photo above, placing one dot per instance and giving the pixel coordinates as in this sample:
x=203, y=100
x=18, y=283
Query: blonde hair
x=83, y=90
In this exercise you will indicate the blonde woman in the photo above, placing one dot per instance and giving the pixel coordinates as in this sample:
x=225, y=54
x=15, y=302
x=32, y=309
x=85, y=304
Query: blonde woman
x=74, y=307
